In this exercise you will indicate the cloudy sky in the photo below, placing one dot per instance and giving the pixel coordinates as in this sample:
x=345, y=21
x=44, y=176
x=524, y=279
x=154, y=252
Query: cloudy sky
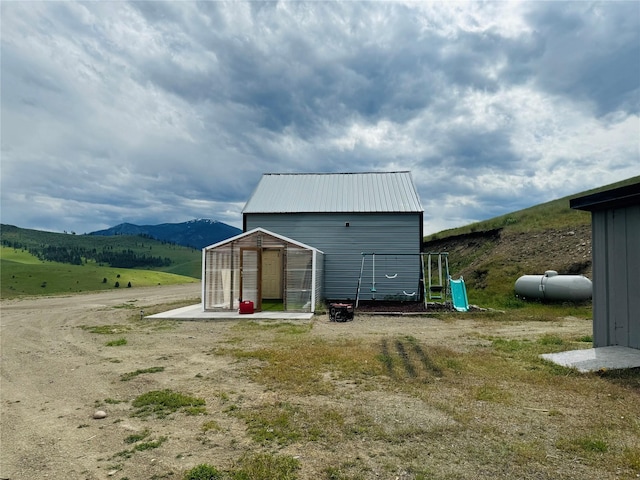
x=152, y=112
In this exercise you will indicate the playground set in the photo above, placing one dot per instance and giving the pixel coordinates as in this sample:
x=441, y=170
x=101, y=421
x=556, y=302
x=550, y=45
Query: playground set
x=437, y=283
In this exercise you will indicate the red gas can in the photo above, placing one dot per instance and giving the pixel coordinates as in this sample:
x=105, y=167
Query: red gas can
x=246, y=306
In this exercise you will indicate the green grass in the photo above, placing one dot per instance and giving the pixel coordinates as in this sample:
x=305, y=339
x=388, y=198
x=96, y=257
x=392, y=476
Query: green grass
x=491, y=393
x=23, y=274
x=117, y=343
x=106, y=329
x=272, y=306
x=182, y=257
x=137, y=437
x=165, y=402
x=275, y=326
x=588, y=445
x=18, y=256
x=297, y=365
x=266, y=466
x=250, y=466
x=286, y=423
x=139, y=445
x=125, y=377
x=203, y=471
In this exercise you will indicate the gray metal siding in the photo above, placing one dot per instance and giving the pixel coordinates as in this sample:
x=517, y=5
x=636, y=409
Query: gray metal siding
x=633, y=271
x=616, y=276
x=600, y=283
x=343, y=247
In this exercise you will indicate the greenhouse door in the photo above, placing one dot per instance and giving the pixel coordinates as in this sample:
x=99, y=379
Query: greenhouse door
x=250, y=276
x=272, y=274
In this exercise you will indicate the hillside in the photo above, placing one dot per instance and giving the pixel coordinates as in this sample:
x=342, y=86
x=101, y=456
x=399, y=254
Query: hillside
x=123, y=251
x=491, y=261
x=492, y=254
x=194, y=233
x=37, y=262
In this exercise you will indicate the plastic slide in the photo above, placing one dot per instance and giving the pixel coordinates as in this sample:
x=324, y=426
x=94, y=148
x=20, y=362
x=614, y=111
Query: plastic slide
x=459, y=295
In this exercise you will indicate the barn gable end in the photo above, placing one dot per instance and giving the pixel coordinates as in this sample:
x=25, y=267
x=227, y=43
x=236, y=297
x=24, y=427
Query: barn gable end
x=345, y=215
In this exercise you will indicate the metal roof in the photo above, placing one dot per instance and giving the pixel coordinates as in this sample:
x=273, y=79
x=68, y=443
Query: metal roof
x=614, y=198
x=265, y=231
x=334, y=192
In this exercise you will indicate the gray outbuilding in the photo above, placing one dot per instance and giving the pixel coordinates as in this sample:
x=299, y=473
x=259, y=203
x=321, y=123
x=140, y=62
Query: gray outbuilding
x=615, y=223
x=349, y=217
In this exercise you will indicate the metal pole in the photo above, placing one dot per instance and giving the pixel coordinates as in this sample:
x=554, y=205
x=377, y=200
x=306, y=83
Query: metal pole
x=360, y=279
x=447, y=290
x=424, y=285
x=429, y=270
x=373, y=279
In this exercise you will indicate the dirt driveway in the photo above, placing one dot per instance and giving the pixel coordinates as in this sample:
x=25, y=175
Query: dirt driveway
x=55, y=373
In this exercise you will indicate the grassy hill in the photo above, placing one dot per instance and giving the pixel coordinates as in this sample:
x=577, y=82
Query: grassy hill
x=491, y=255
x=35, y=262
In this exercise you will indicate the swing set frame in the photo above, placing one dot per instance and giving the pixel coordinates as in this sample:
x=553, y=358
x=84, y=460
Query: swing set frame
x=430, y=289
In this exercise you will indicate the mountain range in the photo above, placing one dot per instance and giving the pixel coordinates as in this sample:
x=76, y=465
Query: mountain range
x=197, y=233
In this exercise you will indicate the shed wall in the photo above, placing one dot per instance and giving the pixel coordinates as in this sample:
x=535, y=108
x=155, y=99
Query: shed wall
x=616, y=277
x=384, y=233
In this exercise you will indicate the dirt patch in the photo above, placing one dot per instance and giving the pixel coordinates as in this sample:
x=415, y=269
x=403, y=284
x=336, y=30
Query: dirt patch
x=57, y=371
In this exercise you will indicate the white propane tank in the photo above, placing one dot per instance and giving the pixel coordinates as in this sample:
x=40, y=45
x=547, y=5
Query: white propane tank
x=552, y=286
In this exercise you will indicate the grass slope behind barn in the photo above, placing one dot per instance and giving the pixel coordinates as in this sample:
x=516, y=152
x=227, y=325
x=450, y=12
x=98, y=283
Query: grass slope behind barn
x=24, y=272
x=491, y=255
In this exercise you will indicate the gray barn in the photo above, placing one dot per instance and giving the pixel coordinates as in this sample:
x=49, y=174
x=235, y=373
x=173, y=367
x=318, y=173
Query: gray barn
x=346, y=215
x=615, y=223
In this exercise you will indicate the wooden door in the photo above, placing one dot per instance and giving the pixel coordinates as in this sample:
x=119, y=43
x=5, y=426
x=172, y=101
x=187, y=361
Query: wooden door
x=272, y=274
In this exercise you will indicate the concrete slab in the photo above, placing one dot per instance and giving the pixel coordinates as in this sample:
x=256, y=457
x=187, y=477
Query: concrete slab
x=594, y=359
x=195, y=312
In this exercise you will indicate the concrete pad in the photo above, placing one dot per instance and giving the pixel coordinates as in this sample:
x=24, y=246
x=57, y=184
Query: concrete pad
x=195, y=312
x=594, y=359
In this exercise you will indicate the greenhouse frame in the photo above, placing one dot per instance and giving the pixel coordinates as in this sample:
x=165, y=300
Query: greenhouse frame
x=262, y=267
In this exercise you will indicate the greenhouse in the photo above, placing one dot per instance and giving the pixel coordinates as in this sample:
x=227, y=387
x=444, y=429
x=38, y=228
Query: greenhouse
x=264, y=270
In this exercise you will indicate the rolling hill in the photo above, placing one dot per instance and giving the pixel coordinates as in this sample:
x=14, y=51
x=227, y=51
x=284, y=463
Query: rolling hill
x=36, y=262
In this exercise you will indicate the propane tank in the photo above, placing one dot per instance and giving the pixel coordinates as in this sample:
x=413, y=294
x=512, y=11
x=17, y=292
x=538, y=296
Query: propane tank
x=552, y=286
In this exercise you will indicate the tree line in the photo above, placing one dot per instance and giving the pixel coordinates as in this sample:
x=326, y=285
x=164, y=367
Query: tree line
x=75, y=255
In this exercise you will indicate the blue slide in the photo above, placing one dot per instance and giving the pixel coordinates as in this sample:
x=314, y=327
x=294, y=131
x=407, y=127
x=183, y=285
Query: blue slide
x=459, y=295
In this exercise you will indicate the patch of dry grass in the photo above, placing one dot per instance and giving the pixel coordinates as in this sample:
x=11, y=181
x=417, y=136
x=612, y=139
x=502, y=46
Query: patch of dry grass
x=311, y=366
x=405, y=408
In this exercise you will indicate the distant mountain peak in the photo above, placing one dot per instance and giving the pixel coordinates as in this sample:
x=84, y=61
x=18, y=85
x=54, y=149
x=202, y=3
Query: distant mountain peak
x=203, y=220
x=197, y=233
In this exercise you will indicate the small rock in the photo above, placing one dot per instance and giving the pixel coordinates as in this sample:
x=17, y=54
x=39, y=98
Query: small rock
x=99, y=414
